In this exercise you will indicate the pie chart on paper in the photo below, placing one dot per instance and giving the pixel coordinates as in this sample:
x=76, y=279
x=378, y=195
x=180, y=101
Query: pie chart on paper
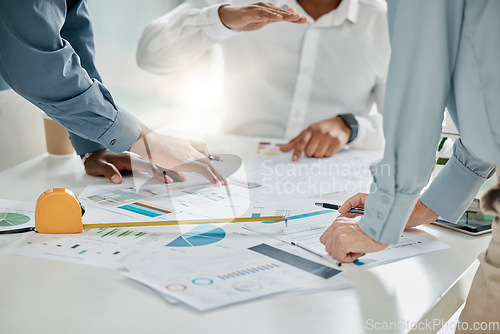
x=200, y=235
x=13, y=219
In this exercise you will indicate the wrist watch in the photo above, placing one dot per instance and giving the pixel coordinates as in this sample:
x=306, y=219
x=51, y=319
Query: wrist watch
x=352, y=123
x=85, y=157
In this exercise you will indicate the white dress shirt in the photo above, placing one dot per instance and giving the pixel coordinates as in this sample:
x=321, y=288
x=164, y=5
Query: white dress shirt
x=282, y=78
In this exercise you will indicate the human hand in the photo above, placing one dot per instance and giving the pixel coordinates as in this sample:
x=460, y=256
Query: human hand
x=345, y=241
x=256, y=16
x=109, y=164
x=356, y=201
x=321, y=139
x=176, y=154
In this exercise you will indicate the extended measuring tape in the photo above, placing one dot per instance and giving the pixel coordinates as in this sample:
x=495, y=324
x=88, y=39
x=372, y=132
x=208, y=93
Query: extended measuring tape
x=59, y=211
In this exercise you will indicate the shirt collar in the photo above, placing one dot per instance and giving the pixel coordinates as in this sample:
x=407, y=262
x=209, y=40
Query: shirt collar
x=347, y=10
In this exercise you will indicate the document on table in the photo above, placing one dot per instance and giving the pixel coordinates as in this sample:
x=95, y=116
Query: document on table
x=158, y=201
x=14, y=215
x=305, y=230
x=117, y=247
x=218, y=279
x=280, y=178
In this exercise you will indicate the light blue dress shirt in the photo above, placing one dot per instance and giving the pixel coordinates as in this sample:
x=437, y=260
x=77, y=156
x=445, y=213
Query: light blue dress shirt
x=47, y=56
x=444, y=53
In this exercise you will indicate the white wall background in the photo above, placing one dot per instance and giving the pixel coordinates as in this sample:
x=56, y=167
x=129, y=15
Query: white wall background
x=193, y=92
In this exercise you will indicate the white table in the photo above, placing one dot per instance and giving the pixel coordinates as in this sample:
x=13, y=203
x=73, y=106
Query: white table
x=42, y=296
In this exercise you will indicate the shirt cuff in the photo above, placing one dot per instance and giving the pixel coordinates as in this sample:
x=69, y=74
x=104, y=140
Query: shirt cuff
x=453, y=190
x=213, y=26
x=83, y=145
x=386, y=215
x=122, y=134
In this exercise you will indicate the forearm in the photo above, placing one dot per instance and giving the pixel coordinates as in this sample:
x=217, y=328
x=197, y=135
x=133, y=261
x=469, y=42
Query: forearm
x=175, y=39
x=45, y=69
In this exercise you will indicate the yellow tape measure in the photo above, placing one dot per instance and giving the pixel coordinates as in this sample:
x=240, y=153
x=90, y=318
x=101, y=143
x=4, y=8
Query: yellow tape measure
x=58, y=210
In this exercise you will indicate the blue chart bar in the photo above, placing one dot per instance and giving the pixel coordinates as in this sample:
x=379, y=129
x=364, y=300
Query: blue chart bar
x=309, y=214
x=295, y=261
x=303, y=215
x=141, y=210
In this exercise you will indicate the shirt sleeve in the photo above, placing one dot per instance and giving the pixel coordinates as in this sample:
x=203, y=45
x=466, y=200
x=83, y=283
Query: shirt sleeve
x=177, y=38
x=45, y=68
x=454, y=188
x=424, y=38
x=370, y=131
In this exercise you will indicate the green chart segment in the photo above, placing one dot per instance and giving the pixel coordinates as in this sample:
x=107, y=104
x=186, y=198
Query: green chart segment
x=13, y=219
x=199, y=236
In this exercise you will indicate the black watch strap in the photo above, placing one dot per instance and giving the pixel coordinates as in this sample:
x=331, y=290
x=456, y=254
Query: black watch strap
x=352, y=123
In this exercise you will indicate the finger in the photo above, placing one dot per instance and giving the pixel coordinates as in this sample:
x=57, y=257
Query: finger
x=287, y=15
x=350, y=215
x=176, y=176
x=330, y=151
x=111, y=173
x=265, y=15
x=351, y=257
x=138, y=164
x=313, y=145
x=323, y=238
x=356, y=201
x=202, y=169
x=167, y=179
x=302, y=141
x=214, y=170
x=277, y=10
x=322, y=148
x=157, y=172
x=327, y=234
x=290, y=145
x=335, y=146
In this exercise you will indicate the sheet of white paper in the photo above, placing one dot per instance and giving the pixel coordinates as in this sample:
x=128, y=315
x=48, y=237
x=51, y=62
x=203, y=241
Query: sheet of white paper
x=155, y=201
x=280, y=178
x=220, y=279
x=305, y=229
x=116, y=247
x=15, y=214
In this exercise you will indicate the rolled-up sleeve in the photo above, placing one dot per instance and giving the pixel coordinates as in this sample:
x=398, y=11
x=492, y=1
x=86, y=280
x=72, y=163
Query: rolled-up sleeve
x=44, y=68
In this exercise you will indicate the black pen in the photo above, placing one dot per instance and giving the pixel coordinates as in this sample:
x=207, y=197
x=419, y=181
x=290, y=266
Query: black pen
x=359, y=211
